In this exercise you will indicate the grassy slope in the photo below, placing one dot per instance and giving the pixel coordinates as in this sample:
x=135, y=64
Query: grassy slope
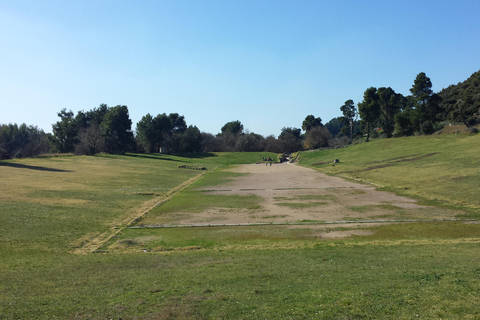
x=443, y=168
x=47, y=205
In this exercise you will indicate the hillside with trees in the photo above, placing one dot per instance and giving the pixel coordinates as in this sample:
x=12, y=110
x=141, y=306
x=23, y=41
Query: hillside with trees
x=383, y=113
x=20, y=141
x=461, y=102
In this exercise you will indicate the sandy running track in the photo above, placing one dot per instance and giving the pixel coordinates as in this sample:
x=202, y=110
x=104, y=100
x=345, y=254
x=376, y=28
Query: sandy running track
x=293, y=194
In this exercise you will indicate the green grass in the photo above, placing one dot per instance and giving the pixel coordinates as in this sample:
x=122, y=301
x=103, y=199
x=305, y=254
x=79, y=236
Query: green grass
x=309, y=197
x=50, y=206
x=217, y=177
x=325, y=282
x=427, y=231
x=55, y=204
x=301, y=205
x=307, y=201
x=192, y=202
x=369, y=208
x=197, y=198
x=218, y=238
x=231, y=158
x=442, y=168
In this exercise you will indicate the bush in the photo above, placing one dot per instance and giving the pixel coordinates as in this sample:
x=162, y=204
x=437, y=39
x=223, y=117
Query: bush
x=473, y=130
x=316, y=137
x=338, y=142
x=427, y=127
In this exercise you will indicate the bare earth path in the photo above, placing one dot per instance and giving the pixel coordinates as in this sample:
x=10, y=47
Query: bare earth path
x=292, y=194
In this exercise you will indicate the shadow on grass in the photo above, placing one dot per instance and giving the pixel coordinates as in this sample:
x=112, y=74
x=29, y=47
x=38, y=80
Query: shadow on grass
x=150, y=156
x=158, y=156
x=196, y=155
x=25, y=166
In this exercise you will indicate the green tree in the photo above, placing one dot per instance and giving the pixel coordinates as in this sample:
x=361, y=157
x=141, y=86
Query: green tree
x=170, y=129
x=117, y=130
x=233, y=127
x=65, y=132
x=231, y=131
x=403, y=123
x=146, y=134
x=350, y=115
x=316, y=137
x=173, y=136
x=427, y=110
x=295, y=132
x=461, y=102
x=466, y=110
x=336, y=125
x=22, y=141
x=210, y=143
x=162, y=131
x=273, y=144
x=177, y=122
x=191, y=140
x=290, y=139
x=96, y=115
x=369, y=109
x=422, y=89
x=91, y=117
x=250, y=142
x=311, y=122
x=390, y=104
x=91, y=138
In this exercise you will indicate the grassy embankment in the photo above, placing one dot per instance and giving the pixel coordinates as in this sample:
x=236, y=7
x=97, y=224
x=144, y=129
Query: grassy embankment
x=443, y=169
x=49, y=207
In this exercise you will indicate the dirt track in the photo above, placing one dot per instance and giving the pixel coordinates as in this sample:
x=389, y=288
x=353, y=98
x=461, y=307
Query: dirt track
x=293, y=194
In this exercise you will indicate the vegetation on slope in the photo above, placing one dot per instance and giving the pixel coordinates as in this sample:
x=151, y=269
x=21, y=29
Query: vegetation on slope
x=461, y=102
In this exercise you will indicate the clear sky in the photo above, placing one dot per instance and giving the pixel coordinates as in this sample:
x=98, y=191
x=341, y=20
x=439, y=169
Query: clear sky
x=266, y=63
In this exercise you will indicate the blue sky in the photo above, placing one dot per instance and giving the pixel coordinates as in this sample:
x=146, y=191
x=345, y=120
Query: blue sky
x=268, y=64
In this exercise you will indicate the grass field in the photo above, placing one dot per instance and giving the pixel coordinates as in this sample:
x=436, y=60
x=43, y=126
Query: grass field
x=50, y=207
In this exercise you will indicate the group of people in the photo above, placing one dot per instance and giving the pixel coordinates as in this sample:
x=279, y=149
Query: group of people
x=268, y=159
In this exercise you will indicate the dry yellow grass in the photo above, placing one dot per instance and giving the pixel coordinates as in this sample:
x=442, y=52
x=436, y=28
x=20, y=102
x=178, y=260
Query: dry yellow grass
x=21, y=178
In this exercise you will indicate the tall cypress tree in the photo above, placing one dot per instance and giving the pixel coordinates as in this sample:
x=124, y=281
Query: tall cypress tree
x=369, y=109
x=427, y=104
x=350, y=115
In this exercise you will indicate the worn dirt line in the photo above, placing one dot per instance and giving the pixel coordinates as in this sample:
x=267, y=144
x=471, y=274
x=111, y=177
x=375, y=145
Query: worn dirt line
x=282, y=189
x=300, y=223
x=92, y=244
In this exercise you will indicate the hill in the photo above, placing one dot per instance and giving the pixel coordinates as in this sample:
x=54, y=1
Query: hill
x=461, y=102
x=440, y=168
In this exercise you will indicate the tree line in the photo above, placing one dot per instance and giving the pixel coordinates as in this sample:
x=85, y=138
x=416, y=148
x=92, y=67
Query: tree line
x=385, y=113
x=381, y=113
